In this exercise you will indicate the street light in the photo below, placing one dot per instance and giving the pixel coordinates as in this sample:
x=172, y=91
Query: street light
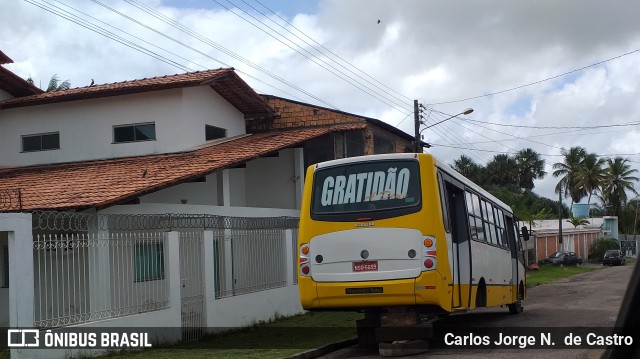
x=418, y=146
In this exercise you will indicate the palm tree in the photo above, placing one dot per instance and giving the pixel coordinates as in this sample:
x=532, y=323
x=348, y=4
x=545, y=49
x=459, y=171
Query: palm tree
x=468, y=168
x=577, y=221
x=530, y=167
x=54, y=84
x=591, y=174
x=618, y=180
x=502, y=170
x=569, y=171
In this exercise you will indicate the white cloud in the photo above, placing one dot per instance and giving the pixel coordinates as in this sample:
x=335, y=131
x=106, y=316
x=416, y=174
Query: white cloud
x=429, y=50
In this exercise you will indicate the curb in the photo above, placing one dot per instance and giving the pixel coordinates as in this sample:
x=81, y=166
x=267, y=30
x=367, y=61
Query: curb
x=325, y=349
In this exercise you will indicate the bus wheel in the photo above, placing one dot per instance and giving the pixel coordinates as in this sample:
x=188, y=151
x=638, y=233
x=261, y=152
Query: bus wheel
x=516, y=308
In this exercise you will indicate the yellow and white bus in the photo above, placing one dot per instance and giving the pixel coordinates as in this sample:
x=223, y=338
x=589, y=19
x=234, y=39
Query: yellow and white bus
x=405, y=230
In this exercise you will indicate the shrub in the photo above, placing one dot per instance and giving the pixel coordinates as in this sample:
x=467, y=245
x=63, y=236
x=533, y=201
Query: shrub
x=601, y=245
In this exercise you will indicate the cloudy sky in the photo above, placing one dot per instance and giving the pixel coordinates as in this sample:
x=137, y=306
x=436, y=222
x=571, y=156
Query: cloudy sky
x=373, y=58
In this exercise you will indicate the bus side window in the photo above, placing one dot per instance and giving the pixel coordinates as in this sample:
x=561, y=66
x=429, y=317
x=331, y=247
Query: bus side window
x=444, y=203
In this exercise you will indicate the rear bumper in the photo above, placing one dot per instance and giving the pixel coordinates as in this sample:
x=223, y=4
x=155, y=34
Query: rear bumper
x=427, y=289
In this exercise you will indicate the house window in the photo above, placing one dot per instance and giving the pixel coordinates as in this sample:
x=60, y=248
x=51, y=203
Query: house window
x=213, y=132
x=382, y=145
x=148, y=259
x=134, y=133
x=41, y=142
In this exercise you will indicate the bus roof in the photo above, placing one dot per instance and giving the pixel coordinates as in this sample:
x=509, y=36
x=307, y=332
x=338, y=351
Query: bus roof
x=441, y=165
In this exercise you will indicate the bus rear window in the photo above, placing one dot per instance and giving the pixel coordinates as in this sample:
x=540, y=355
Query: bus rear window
x=366, y=188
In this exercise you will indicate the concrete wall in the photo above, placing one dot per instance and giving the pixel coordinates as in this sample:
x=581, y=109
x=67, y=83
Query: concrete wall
x=578, y=242
x=270, y=182
x=86, y=126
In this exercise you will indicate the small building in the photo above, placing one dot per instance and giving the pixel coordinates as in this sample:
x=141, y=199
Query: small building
x=545, y=237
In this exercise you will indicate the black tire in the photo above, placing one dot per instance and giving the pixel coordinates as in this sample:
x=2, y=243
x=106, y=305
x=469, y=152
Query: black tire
x=515, y=308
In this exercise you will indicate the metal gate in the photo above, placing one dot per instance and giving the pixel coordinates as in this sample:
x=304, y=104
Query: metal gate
x=191, y=285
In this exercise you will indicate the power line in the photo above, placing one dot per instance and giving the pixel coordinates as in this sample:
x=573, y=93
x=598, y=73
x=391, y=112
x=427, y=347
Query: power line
x=548, y=127
x=221, y=48
x=327, y=50
x=537, y=82
x=312, y=58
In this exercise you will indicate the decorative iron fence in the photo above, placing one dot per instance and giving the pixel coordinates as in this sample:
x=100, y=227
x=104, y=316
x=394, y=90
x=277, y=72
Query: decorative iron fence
x=90, y=267
x=86, y=277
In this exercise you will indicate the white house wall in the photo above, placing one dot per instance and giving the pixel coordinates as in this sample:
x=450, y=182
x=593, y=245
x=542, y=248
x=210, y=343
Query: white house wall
x=86, y=126
x=271, y=181
x=196, y=193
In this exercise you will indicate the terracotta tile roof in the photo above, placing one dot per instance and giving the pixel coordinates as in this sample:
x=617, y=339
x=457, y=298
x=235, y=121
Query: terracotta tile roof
x=16, y=85
x=108, y=182
x=224, y=80
x=4, y=59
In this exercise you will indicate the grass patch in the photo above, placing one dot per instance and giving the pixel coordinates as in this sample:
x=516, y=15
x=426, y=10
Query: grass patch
x=549, y=273
x=278, y=339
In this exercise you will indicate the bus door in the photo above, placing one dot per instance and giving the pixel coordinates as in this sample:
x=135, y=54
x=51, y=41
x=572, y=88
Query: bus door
x=514, y=246
x=460, y=250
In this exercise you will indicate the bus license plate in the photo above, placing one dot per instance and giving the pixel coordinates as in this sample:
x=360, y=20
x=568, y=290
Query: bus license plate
x=368, y=290
x=365, y=266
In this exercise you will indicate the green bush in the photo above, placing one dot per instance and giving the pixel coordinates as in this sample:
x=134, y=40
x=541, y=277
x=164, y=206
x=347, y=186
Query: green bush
x=601, y=245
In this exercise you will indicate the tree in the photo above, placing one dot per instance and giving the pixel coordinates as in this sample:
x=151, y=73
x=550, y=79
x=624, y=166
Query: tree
x=617, y=181
x=530, y=167
x=468, y=168
x=591, y=174
x=568, y=170
x=54, y=84
x=502, y=170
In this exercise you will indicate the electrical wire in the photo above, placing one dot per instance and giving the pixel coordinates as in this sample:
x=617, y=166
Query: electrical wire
x=338, y=73
x=537, y=82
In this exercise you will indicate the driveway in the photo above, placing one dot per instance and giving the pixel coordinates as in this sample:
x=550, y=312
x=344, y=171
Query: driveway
x=581, y=304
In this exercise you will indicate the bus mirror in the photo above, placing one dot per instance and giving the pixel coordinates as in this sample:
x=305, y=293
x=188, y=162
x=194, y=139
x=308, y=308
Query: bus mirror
x=525, y=233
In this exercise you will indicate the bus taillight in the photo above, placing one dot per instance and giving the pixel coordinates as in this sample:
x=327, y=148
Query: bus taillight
x=429, y=253
x=304, y=259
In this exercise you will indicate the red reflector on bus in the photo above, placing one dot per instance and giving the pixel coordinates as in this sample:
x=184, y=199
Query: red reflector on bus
x=305, y=270
x=428, y=263
x=364, y=219
x=431, y=253
x=303, y=260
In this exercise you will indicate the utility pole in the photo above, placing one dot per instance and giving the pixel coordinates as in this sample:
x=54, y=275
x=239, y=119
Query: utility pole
x=560, y=219
x=416, y=119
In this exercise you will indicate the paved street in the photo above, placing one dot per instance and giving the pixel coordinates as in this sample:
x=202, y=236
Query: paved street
x=584, y=300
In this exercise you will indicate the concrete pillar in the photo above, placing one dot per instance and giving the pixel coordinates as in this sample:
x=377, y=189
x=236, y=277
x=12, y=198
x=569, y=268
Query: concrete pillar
x=208, y=278
x=172, y=266
x=290, y=250
x=21, y=276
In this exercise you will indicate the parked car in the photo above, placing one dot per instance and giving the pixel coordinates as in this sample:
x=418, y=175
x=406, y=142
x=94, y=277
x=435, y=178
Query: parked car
x=613, y=257
x=564, y=258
